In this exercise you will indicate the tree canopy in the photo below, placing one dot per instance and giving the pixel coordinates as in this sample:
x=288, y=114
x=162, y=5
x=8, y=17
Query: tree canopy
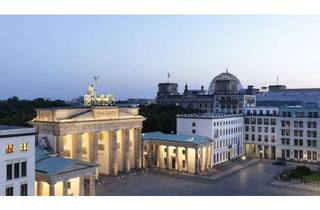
x=162, y=117
x=19, y=112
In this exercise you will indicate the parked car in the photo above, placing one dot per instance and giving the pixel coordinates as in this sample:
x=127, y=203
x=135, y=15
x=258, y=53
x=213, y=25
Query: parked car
x=279, y=163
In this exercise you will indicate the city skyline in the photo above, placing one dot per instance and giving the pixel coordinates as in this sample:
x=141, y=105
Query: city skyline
x=132, y=54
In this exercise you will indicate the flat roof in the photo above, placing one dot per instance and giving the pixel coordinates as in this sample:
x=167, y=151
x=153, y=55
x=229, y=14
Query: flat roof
x=14, y=131
x=10, y=127
x=209, y=115
x=175, y=138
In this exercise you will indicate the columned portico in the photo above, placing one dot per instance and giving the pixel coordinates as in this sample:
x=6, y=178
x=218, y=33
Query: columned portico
x=178, y=152
x=108, y=136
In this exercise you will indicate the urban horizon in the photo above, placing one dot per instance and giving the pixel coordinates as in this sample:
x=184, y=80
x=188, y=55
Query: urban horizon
x=193, y=49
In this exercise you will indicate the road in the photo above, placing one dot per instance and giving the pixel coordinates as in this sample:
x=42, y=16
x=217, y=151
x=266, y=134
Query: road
x=251, y=181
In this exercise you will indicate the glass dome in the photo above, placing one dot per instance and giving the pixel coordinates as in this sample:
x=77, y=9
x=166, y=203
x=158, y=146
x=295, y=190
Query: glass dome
x=225, y=82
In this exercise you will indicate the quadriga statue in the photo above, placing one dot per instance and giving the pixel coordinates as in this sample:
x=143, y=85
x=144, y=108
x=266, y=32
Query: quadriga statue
x=92, y=99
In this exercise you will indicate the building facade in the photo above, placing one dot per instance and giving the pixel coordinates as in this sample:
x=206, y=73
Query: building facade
x=226, y=131
x=225, y=95
x=290, y=133
x=17, y=161
x=261, y=135
x=107, y=136
x=299, y=130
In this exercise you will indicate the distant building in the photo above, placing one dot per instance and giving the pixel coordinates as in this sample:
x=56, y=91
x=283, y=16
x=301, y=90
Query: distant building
x=225, y=95
x=280, y=95
x=17, y=161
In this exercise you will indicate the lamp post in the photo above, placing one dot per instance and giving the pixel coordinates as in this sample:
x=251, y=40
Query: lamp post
x=243, y=160
x=260, y=154
x=304, y=159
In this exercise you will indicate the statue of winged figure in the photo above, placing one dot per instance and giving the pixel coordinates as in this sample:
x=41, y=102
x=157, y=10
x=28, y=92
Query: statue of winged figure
x=92, y=99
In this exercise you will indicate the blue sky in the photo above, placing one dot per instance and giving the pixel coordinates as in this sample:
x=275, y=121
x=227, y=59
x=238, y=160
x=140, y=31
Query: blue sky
x=57, y=56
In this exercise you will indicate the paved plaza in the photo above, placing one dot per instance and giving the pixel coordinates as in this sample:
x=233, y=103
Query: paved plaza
x=253, y=180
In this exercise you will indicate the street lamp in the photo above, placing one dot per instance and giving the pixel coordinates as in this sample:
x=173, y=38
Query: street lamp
x=243, y=159
x=260, y=154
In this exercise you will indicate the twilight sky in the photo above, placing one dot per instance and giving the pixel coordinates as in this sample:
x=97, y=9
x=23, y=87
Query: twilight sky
x=57, y=56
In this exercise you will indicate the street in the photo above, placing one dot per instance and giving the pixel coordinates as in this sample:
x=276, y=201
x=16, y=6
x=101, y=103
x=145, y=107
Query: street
x=253, y=180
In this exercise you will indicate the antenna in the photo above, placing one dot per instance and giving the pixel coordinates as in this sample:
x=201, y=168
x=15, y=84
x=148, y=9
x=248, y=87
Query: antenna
x=227, y=70
x=277, y=80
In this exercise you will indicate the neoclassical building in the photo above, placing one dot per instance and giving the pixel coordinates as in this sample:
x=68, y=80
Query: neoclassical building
x=224, y=95
x=104, y=135
x=184, y=153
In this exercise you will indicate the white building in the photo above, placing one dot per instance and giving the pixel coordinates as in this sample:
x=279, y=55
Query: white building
x=17, y=161
x=261, y=132
x=226, y=130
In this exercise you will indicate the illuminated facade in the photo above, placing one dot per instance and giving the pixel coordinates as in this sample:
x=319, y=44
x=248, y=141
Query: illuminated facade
x=57, y=176
x=183, y=153
x=107, y=136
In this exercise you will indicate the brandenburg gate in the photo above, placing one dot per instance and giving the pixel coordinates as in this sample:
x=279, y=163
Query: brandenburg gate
x=108, y=136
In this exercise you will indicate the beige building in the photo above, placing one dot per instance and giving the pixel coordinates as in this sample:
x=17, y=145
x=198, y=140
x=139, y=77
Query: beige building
x=106, y=136
x=57, y=176
x=185, y=153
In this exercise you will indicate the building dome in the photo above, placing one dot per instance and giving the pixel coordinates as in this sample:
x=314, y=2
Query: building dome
x=225, y=83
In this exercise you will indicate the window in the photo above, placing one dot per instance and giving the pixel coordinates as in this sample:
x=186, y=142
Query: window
x=9, y=191
x=9, y=148
x=193, y=124
x=69, y=185
x=296, y=142
x=24, y=169
x=9, y=171
x=16, y=170
x=183, y=152
x=165, y=161
x=24, y=147
x=24, y=189
x=193, y=131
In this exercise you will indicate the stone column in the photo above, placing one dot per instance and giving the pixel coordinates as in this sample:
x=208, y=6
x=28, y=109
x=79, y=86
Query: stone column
x=207, y=157
x=250, y=151
x=65, y=188
x=158, y=156
x=51, y=189
x=201, y=158
x=60, y=147
x=177, y=167
x=168, y=158
x=149, y=155
x=114, y=153
x=81, y=186
x=186, y=160
x=197, y=168
x=79, y=147
x=39, y=188
x=138, y=147
x=95, y=147
x=92, y=185
x=126, y=150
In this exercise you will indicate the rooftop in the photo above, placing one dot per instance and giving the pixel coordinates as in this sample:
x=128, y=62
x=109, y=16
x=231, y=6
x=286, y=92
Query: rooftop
x=49, y=164
x=11, y=131
x=209, y=115
x=175, y=138
x=10, y=127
